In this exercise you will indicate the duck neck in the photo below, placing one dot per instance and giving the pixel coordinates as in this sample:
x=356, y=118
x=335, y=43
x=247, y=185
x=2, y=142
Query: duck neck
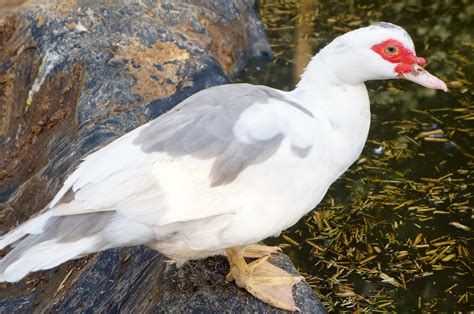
x=345, y=104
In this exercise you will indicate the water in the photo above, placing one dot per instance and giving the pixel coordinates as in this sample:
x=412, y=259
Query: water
x=395, y=232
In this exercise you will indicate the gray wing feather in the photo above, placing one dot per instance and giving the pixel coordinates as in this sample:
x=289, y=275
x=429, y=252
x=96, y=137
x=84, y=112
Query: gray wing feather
x=202, y=126
x=237, y=157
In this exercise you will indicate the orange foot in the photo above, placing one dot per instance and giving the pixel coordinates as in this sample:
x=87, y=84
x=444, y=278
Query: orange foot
x=263, y=280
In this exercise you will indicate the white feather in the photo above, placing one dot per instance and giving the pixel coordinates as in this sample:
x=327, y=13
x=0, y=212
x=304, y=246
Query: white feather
x=46, y=255
x=33, y=226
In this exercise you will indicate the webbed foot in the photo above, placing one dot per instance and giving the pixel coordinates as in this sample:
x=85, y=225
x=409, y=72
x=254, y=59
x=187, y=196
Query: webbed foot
x=260, y=278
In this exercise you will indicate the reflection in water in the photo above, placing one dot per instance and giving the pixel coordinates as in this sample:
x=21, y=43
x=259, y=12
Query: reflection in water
x=396, y=231
x=303, y=29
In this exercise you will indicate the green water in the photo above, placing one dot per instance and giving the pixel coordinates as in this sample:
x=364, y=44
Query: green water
x=395, y=232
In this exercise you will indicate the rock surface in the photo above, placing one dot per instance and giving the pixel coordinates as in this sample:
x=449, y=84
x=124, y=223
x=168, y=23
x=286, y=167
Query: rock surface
x=77, y=74
x=138, y=280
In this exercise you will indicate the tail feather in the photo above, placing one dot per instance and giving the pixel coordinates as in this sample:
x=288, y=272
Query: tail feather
x=43, y=255
x=47, y=241
x=32, y=226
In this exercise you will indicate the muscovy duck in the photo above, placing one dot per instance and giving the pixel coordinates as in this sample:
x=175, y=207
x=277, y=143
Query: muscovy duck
x=224, y=169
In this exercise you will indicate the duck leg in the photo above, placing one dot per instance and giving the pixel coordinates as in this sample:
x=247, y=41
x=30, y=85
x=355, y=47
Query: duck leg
x=263, y=280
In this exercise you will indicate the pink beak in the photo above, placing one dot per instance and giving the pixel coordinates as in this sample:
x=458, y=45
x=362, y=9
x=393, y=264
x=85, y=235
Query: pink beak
x=424, y=78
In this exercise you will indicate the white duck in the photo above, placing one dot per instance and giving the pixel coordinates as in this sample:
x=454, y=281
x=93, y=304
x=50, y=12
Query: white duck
x=227, y=167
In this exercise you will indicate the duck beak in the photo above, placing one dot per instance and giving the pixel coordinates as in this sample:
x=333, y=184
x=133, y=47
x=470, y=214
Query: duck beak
x=420, y=76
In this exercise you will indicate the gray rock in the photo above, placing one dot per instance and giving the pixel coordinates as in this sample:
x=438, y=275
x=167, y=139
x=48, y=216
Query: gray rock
x=74, y=76
x=138, y=280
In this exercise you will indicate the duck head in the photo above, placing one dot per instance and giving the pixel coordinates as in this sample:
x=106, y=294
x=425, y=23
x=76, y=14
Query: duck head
x=380, y=51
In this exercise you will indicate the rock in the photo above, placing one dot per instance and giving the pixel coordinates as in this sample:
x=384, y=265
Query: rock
x=74, y=76
x=138, y=280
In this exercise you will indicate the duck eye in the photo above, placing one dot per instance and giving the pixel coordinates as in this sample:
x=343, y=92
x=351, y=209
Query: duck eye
x=391, y=50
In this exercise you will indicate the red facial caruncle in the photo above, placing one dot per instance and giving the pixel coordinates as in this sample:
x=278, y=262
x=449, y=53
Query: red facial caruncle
x=394, y=52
